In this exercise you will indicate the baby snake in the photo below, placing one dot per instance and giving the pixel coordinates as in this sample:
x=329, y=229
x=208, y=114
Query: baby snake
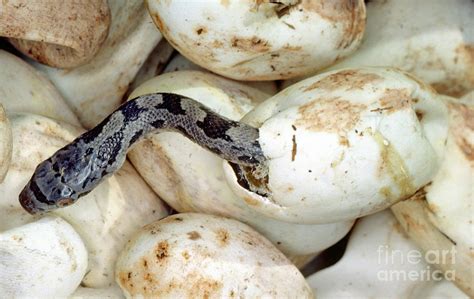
x=80, y=166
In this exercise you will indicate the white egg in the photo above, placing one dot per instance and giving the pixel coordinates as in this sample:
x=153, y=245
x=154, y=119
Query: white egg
x=380, y=261
x=261, y=40
x=440, y=216
x=198, y=255
x=42, y=259
x=345, y=144
x=24, y=89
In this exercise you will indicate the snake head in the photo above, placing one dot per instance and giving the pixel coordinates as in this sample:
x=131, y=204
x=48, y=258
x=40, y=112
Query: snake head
x=57, y=182
x=46, y=191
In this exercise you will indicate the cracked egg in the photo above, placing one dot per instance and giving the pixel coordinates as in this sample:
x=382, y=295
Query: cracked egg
x=191, y=179
x=342, y=145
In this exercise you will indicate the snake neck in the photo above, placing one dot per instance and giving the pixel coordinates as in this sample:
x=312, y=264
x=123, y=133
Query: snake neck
x=109, y=142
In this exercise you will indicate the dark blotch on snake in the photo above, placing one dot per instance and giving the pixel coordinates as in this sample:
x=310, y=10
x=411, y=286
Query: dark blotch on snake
x=92, y=134
x=132, y=112
x=39, y=195
x=215, y=131
x=172, y=104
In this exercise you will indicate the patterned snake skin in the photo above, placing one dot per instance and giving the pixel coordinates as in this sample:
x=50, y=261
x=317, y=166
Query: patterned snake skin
x=80, y=166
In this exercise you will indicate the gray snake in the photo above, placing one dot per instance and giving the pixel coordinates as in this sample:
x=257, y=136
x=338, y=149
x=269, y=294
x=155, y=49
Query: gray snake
x=81, y=165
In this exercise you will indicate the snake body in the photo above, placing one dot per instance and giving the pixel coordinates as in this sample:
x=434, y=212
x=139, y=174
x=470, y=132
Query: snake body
x=80, y=166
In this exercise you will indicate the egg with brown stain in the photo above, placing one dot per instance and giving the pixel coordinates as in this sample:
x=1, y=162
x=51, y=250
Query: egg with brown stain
x=344, y=144
x=261, y=40
x=196, y=255
x=437, y=47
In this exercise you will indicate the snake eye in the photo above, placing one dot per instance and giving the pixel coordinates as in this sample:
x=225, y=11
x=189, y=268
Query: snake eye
x=64, y=202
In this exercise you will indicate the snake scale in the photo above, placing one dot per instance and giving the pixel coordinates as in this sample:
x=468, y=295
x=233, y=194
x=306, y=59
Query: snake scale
x=81, y=165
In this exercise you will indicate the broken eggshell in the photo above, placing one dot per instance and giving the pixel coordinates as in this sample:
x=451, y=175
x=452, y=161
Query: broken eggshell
x=198, y=255
x=432, y=39
x=440, y=216
x=380, y=261
x=95, y=90
x=191, y=179
x=62, y=34
x=344, y=144
x=105, y=218
x=261, y=40
x=42, y=259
